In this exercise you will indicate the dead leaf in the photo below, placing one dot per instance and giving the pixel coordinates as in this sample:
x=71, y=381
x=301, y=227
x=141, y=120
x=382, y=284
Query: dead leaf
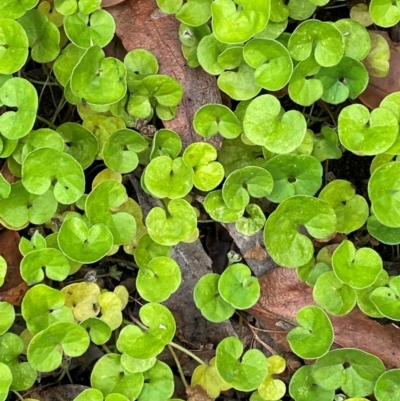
x=257, y=253
x=198, y=393
x=378, y=88
x=140, y=24
x=282, y=295
x=110, y=3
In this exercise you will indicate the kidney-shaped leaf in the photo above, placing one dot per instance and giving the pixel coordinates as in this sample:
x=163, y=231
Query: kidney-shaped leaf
x=384, y=13
x=284, y=243
x=159, y=383
x=387, y=387
x=7, y=315
x=387, y=300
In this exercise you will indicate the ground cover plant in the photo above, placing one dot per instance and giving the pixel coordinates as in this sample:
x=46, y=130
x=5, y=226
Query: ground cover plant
x=98, y=193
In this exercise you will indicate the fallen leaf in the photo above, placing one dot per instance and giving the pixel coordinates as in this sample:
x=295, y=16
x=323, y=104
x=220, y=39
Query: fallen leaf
x=140, y=24
x=198, y=393
x=110, y=3
x=282, y=295
x=256, y=252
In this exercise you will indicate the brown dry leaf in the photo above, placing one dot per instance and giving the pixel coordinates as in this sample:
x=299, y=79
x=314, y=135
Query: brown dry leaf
x=110, y=3
x=140, y=24
x=14, y=287
x=198, y=393
x=378, y=88
x=282, y=295
x=256, y=252
x=7, y=174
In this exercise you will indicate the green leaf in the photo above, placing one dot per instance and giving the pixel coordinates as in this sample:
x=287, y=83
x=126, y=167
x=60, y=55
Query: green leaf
x=353, y=370
x=46, y=349
x=3, y=270
x=66, y=62
x=252, y=222
x=43, y=166
x=365, y=133
x=83, y=244
x=383, y=187
x=99, y=331
x=212, y=119
x=166, y=143
x=284, y=243
x=387, y=300
x=326, y=145
x=167, y=178
x=12, y=9
x=159, y=383
x=14, y=46
x=301, y=9
x=210, y=302
x=8, y=315
x=304, y=388
x=102, y=208
x=109, y=376
x=133, y=365
x=170, y=228
x=351, y=210
x=384, y=234
x=19, y=93
x=56, y=265
x=236, y=25
x=238, y=287
x=322, y=39
x=217, y=209
x=159, y=279
x=387, y=386
x=266, y=125
x=170, y=6
x=384, y=13
x=293, y=175
x=6, y=379
x=315, y=335
x=333, y=295
x=241, y=184
x=148, y=344
x=98, y=79
x=271, y=61
x=246, y=374
x=208, y=51
x=96, y=29
x=147, y=250
x=357, y=268
x=195, y=12
x=377, y=61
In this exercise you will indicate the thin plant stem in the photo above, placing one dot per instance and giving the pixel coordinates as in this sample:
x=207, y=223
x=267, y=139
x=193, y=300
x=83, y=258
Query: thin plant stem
x=123, y=261
x=178, y=365
x=47, y=122
x=35, y=81
x=108, y=351
x=18, y=395
x=187, y=352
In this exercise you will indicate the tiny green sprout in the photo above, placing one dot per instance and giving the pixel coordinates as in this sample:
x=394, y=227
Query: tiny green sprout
x=387, y=299
x=352, y=370
x=351, y=210
x=159, y=279
x=384, y=13
x=88, y=30
x=37, y=242
x=252, y=221
x=82, y=243
x=42, y=306
x=246, y=374
x=80, y=143
x=19, y=93
x=294, y=175
x=304, y=88
x=236, y=25
x=43, y=36
x=304, y=388
x=384, y=234
x=99, y=331
x=383, y=187
x=365, y=133
x=210, y=302
x=98, y=79
x=167, y=178
x=6, y=379
x=241, y=184
x=357, y=268
x=56, y=264
x=321, y=38
x=364, y=301
x=23, y=375
x=109, y=376
x=272, y=62
x=14, y=49
x=66, y=62
x=212, y=119
x=166, y=143
x=326, y=145
x=102, y=206
x=284, y=243
x=238, y=287
x=158, y=383
x=314, y=336
x=272, y=389
x=333, y=295
x=266, y=125
x=176, y=224
x=208, y=377
x=387, y=386
x=190, y=37
x=46, y=349
x=8, y=315
x=121, y=149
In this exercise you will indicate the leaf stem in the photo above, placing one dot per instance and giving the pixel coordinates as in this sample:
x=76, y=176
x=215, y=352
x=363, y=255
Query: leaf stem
x=18, y=395
x=187, y=352
x=178, y=365
x=47, y=122
x=108, y=351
